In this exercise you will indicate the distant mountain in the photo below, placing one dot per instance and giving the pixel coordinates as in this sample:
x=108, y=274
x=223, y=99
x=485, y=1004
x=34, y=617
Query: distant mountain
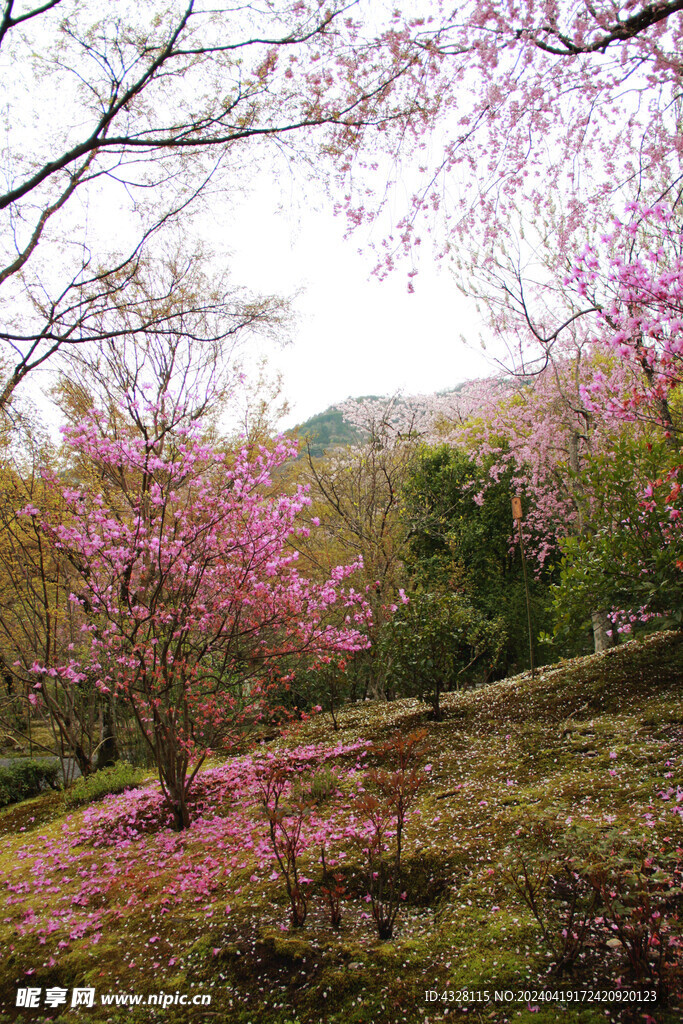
x=328, y=430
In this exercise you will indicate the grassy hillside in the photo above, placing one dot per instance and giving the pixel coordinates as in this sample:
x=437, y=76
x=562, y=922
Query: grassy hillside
x=580, y=769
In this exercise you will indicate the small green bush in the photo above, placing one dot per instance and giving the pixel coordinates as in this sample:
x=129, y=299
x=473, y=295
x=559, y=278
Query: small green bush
x=319, y=786
x=439, y=642
x=116, y=779
x=25, y=779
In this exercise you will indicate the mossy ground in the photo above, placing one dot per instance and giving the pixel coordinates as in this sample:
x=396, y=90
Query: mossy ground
x=596, y=739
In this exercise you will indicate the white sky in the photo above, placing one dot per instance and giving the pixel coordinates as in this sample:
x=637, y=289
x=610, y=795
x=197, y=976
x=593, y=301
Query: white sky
x=355, y=335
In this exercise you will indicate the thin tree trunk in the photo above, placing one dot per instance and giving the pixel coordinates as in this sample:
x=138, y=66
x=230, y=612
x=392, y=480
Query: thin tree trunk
x=107, y=752
x=601, y=624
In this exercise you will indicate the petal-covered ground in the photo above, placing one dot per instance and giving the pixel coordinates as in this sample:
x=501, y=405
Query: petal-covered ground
x=587, y=760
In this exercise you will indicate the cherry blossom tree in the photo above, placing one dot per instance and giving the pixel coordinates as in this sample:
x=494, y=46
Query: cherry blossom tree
x=428, y=417
x=635, y=280
x=189, y=590
x=546, y=112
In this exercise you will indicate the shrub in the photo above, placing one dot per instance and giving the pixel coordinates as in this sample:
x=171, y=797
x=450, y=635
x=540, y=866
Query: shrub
x=384, y=813
x=334, y=890
x=116, y=779
x=285, y=826
x=608, y=893
x=437, y=642
x=630, y=561
x=321, y=785
x=640, y=887
x=561, y=901
x=25, y=779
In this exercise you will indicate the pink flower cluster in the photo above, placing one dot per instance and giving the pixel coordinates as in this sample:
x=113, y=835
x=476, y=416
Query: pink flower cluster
x=188, y=591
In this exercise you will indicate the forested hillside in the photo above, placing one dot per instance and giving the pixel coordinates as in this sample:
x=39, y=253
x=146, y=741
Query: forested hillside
x=327, y=430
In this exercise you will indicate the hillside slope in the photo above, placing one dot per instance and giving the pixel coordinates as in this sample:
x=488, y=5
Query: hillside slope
x=572, y=780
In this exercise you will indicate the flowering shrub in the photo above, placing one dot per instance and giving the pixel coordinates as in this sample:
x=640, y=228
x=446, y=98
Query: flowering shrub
x=563, y=904
x=188, y=590
x=603, y=894
x=285, y=826
x=640, y=892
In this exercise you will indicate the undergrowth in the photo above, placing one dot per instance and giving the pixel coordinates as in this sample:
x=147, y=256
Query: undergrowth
x=89, y=788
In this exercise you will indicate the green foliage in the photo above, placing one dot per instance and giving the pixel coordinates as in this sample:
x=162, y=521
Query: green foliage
x=321, y=785
x=461, y=529
x=450, y=528
x=325, y=685
x=438, y=642
x=116, y=779
x=328, y=430
x=26, y=779
x=605, y=895
x=630, y=560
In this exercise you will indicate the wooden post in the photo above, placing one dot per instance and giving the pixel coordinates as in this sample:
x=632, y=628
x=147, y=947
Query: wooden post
x=517, y=516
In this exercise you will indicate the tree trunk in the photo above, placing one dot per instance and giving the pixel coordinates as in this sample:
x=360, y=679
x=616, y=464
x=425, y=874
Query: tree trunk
x=83, y=760
x=436, y=702
x=181, y=814
x=376, y=688
x=601, y=624
x=334, y=717
x=107, y=752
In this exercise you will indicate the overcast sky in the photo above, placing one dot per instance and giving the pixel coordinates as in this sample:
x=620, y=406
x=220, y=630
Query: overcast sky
x=275, y=231
x=352, y=334
x=355, y=335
